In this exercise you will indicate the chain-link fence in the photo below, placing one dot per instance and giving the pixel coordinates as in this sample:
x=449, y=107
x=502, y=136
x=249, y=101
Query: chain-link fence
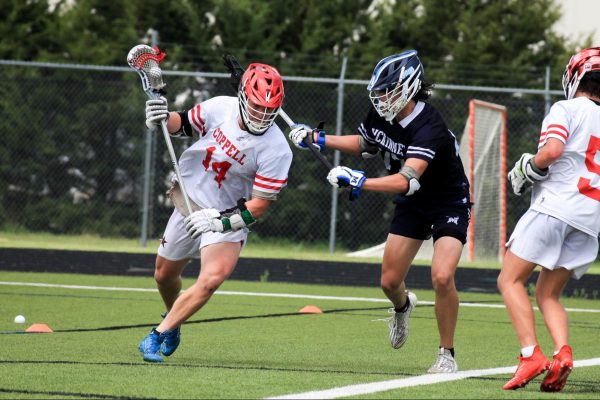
x=77, y=157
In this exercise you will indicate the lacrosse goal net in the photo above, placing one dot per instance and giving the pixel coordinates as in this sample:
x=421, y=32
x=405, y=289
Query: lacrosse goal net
x=483, y=153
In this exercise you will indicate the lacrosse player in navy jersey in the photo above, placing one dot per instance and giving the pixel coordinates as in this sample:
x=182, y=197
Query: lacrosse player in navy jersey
x=239, y=154
x=430, y=189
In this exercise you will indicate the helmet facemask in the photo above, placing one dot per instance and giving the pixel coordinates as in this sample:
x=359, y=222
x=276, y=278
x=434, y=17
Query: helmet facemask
x=396, y=80
x=389, y=102
x=260, y=97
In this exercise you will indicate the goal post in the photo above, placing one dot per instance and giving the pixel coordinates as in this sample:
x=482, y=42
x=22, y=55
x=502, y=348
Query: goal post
x=483, y=153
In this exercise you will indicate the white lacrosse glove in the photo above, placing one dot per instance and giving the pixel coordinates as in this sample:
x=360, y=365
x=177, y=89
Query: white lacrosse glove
x=525, y=171
x=156, y=111
x=202, y=221
x=344, y=176
x=301, y=131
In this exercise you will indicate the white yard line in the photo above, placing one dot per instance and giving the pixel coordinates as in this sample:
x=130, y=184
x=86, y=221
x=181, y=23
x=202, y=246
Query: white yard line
x=257, y=294
x=429, y=379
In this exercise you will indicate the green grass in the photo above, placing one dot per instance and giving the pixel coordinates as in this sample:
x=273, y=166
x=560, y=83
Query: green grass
x=263, y=348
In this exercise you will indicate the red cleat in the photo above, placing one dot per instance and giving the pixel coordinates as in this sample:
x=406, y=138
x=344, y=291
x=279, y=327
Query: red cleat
x=562, y=364
x=528, y=368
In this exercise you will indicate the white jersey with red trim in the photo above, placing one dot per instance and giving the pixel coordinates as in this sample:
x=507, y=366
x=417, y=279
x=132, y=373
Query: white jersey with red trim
x=572, y=191
x=227, y=163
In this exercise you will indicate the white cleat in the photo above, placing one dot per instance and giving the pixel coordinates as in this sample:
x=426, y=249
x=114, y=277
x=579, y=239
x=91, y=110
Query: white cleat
x=398, y=323
x=445, y=363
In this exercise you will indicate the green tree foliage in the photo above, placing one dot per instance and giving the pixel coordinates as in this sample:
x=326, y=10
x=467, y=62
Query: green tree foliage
x=27, y=29
x=70, y=133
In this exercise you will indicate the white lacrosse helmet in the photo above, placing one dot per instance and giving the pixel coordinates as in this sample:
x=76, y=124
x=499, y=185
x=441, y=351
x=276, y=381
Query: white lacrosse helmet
x=396, y=79
x=260, y=97
x=586, y=60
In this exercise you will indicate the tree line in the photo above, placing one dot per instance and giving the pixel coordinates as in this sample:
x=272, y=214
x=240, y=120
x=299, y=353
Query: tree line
x=78, y=136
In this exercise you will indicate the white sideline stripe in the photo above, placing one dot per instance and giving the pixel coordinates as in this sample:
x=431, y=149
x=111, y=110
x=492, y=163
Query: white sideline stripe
x=429, y=379
x=255, y=294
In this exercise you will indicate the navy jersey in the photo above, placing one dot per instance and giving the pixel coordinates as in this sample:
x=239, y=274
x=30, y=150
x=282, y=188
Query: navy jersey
x=424, y=135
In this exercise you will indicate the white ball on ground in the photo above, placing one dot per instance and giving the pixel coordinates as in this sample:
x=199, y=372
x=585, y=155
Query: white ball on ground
x=19, y=319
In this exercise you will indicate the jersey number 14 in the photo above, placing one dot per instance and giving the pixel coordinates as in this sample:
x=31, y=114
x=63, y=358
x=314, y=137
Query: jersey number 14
x=220, y=168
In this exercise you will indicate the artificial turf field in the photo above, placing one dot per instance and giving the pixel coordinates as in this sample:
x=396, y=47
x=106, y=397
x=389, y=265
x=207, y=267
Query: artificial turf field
x=248, y=343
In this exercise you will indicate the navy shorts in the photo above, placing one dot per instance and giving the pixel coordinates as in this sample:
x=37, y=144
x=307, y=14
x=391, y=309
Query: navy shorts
x=424, y=222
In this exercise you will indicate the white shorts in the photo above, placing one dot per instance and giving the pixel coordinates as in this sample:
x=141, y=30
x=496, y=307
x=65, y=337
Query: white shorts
x=177, y=244
x=552, y=243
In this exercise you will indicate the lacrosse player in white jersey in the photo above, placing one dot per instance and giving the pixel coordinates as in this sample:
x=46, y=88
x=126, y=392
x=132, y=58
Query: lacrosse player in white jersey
x=560, y=230
x=240, y=154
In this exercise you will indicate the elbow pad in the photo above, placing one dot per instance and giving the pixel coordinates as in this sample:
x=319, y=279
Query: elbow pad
x=367, y=150
x=413, y=181
x=413, y=186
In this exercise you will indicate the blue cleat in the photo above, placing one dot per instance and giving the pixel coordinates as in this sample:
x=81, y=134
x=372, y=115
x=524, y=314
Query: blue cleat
x=170, y=342
x=150, y=346
x=172, y=339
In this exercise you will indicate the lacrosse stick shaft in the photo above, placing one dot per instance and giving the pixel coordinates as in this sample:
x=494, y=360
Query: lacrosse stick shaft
x=186, y=199
x=307, y=141
x=237, y=71
x=145, y=61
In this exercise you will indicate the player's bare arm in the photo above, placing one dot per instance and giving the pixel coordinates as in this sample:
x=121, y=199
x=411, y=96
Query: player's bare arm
x=347, y=143
x=174, y=122
x=396, y=183
x=549, y=153
x=257, y=206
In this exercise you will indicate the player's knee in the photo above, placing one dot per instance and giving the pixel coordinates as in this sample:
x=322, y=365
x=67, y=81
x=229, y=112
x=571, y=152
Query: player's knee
x=211, y=282
x=161, y=277
x=500, y=283
x=389, y=285
x=544, y=296
x=442, y=281
x=163, y=274
x=539, y=299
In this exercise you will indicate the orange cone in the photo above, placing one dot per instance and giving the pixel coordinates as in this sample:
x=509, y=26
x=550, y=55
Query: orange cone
x=39, y=328
x=310, y=310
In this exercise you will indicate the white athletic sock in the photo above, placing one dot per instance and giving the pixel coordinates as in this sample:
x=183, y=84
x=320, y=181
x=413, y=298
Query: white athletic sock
x=527, y=351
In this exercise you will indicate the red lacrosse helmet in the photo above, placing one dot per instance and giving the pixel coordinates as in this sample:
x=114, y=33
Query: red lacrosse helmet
x=585, y=61
x=260, y=97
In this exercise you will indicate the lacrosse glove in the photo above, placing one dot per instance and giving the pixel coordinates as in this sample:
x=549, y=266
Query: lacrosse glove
x=525, y=171
x=300, y=134
x=156, y=111
x=202, y=221
x=344, y=176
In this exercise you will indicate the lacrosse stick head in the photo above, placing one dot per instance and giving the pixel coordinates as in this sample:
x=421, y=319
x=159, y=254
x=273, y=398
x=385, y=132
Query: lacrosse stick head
x=145, y=60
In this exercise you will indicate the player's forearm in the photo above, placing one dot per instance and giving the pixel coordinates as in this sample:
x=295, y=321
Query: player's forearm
x=258, y=206
x=549, y=153
x=346, y=144
x=393, y=184
x=397, y=183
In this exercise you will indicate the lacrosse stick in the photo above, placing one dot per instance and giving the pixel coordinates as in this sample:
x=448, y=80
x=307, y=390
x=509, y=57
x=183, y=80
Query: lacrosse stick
x=145, y=60
x=237, y=71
